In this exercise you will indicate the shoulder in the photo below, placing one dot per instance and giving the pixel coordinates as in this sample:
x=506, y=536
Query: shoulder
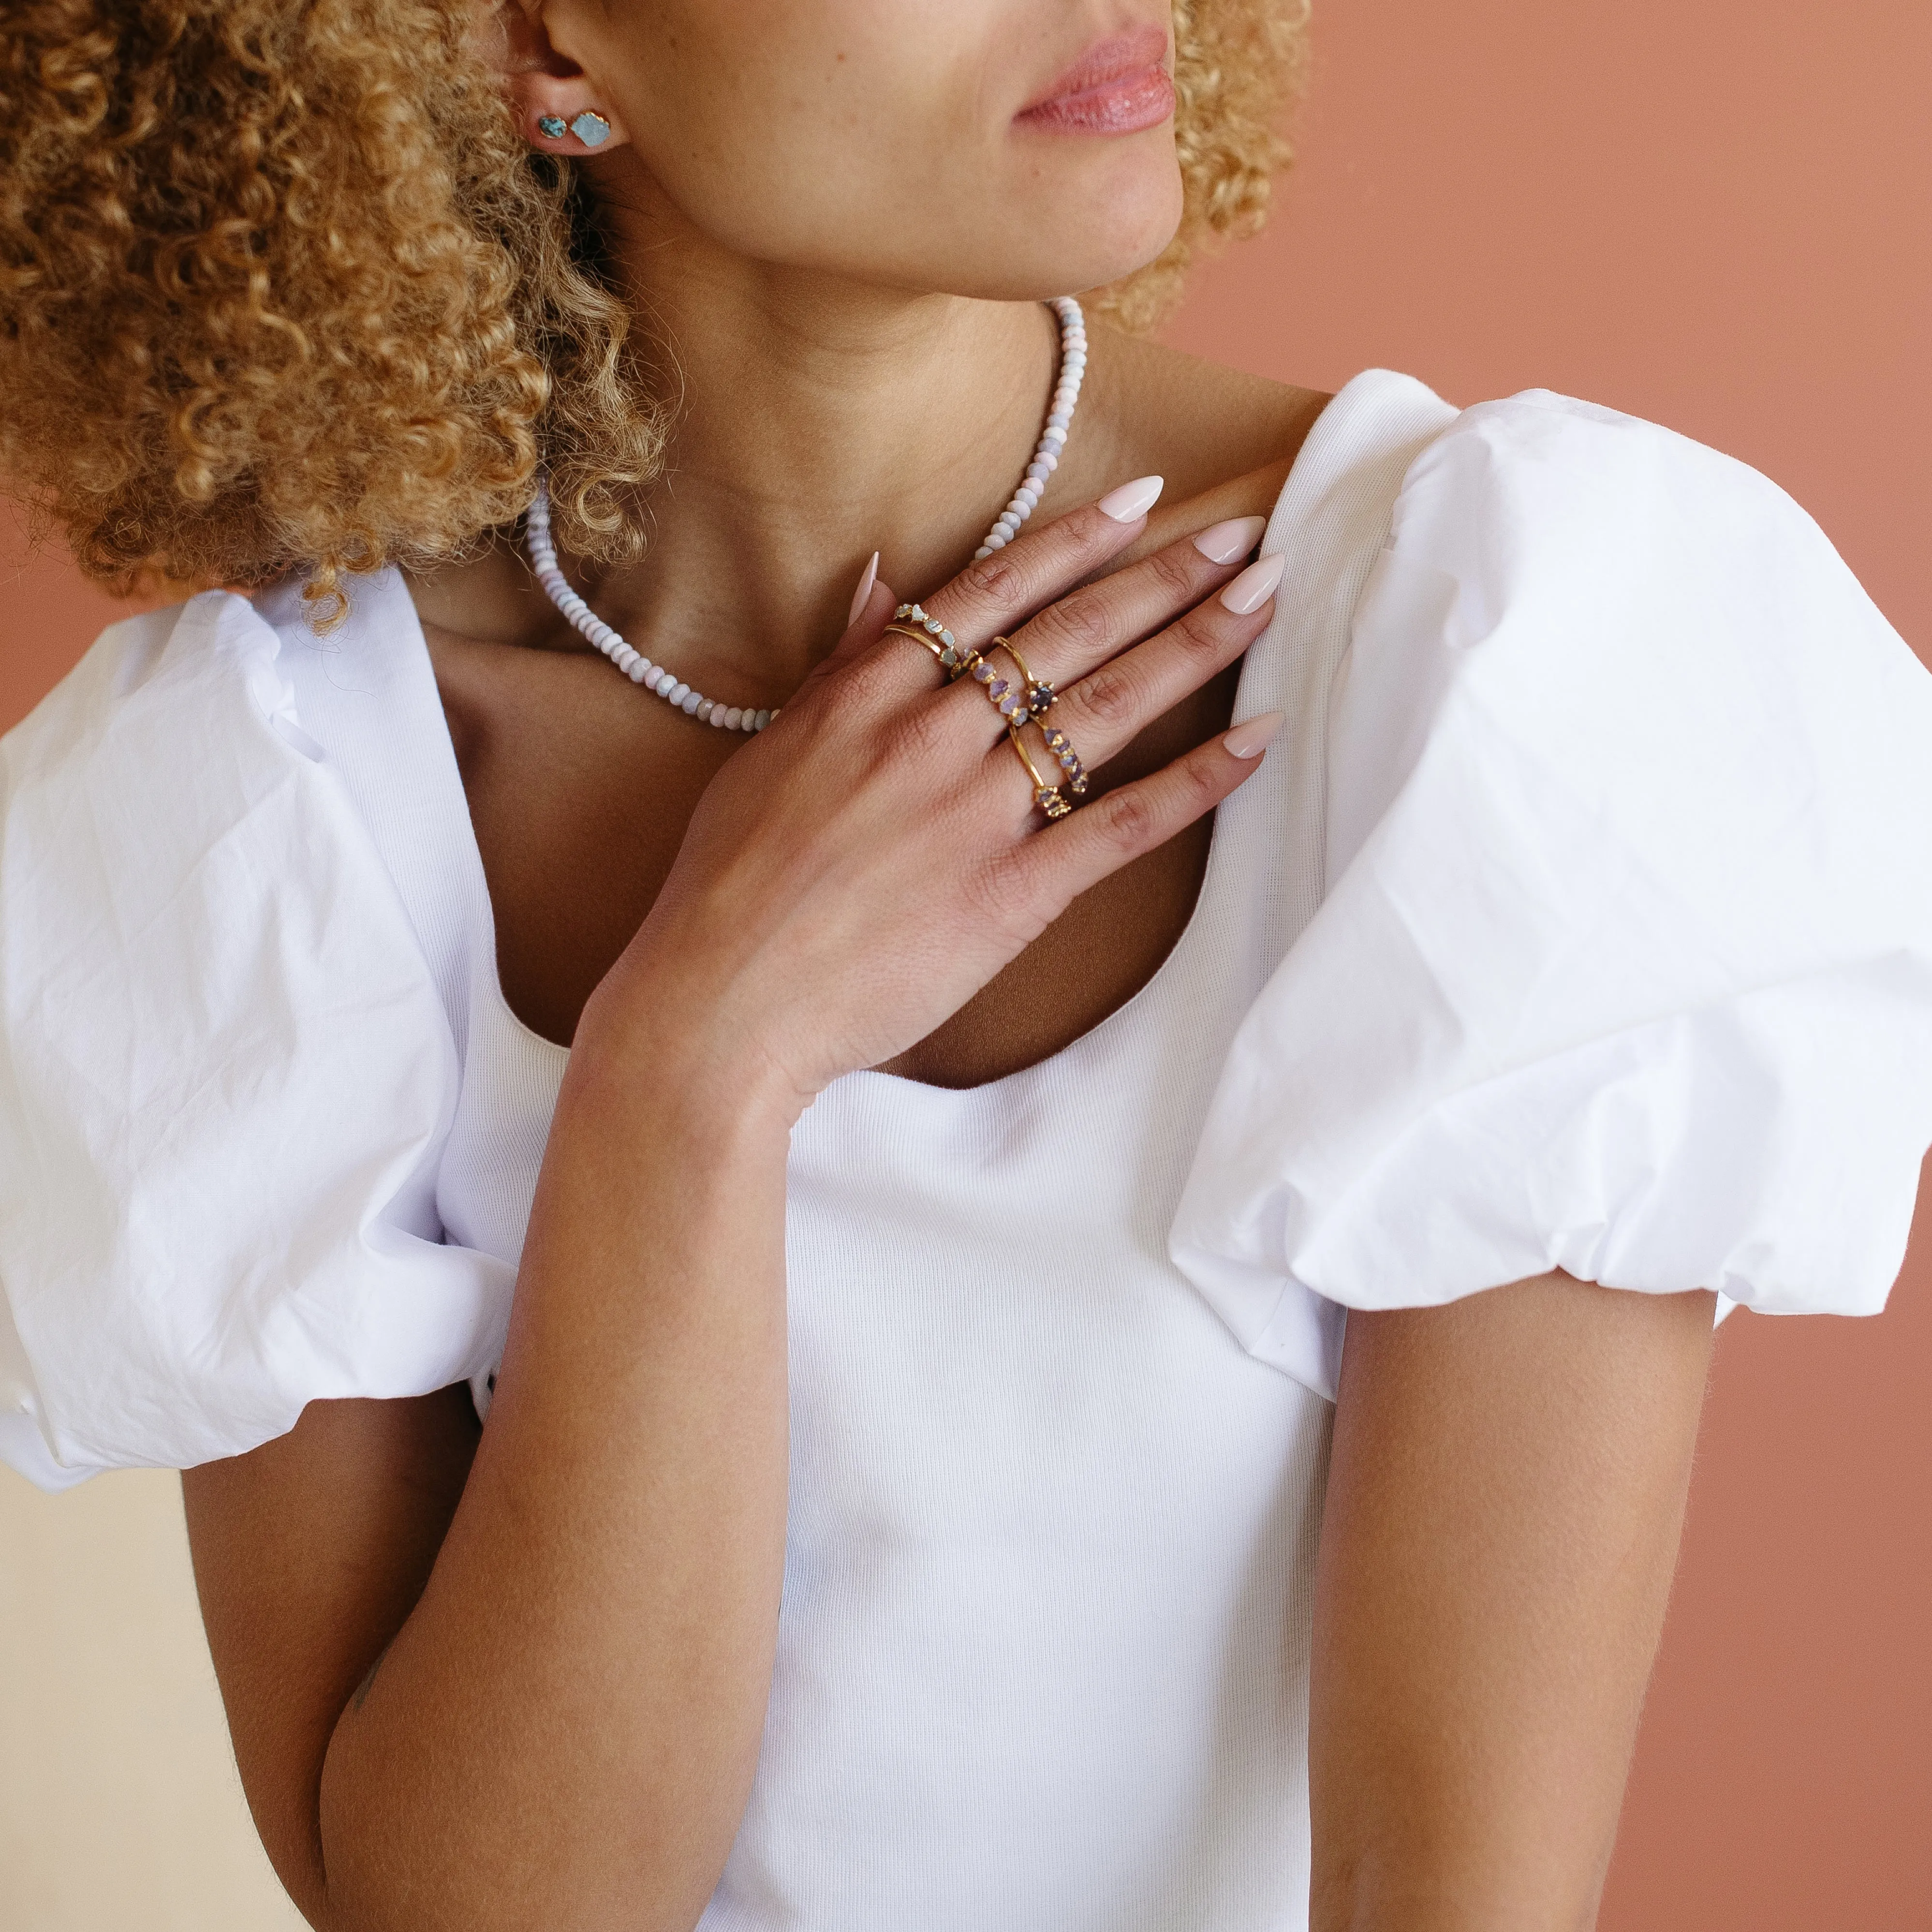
x=1586, y=604
x=1204, y=428
x=225, y=1069
x=1622, y=963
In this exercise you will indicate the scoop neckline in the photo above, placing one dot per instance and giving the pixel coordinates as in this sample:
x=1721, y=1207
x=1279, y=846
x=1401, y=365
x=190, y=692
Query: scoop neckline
x=482, y=911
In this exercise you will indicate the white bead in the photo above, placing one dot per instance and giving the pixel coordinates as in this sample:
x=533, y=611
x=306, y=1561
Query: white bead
x=541, y=550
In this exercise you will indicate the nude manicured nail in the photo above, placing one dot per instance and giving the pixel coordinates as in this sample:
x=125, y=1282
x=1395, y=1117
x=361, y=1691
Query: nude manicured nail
x=1132, y=500
x=1254, y=586
x=1253, y=736
x=1222, y=543
x=863, y=594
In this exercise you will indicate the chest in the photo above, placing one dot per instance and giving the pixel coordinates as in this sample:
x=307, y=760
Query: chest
x=580, y=789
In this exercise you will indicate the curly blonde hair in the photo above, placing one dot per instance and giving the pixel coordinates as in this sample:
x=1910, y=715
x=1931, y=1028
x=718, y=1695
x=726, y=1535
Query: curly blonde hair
x=281, y=285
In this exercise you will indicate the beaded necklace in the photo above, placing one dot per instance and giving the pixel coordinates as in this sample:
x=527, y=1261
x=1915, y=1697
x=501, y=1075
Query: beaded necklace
x=668, y=685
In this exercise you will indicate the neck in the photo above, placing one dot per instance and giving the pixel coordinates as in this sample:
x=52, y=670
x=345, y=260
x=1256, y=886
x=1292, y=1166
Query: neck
x=819, y=418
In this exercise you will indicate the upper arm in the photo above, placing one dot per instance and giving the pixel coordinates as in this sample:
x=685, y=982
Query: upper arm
x=1505, y=1504
x=309, y=1554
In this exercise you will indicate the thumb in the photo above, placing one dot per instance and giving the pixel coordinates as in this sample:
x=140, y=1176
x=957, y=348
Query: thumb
x=870, y=616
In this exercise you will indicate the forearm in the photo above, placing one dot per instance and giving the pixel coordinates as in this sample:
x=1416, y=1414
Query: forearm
x=1506, y=1496
x=564, y=1731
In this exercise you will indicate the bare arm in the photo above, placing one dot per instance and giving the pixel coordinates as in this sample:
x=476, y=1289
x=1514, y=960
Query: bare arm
x=1504, y=1505
x=571, y=1636
x=530, y=1692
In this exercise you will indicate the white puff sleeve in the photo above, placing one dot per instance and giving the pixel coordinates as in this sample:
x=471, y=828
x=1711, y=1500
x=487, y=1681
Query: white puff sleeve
x=1624, y=962
x=226, y=1076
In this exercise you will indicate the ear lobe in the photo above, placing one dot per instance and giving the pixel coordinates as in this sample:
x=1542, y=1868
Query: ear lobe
x=557, y=104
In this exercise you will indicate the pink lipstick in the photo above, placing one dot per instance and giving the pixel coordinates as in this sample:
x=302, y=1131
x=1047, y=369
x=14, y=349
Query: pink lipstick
x=1117, y=87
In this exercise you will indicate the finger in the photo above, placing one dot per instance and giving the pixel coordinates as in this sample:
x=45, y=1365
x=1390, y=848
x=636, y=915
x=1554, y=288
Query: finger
x=867, y=625
x=994, y=593
x=1092, y=624
x=1059, y=863
x=1113, y=704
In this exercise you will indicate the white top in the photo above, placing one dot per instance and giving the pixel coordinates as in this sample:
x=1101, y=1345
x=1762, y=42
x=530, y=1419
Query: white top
x=1581, y=917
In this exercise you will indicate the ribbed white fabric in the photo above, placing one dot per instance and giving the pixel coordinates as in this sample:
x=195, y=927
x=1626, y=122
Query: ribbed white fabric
x=1582, y=915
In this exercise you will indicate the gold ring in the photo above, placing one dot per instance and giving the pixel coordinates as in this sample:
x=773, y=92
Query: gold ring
x=956, y=659
x=1040, y=701
x=1014, y=708
x=1039, y=694
x=918, y=636
x=1050, y=798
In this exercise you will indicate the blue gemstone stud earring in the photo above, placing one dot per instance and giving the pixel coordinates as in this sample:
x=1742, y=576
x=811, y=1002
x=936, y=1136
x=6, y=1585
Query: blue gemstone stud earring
x=593, y=130
x=551, y=127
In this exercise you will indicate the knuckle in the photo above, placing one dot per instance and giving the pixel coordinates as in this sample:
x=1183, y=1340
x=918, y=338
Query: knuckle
x=1109, y=697
x=994, y=886
x=1171, y=572
x=1203, y=786
x=1199, y=634
x=918, y=741
x=1091, y=538
x=873, y=678
x=997, y=580
x=1127, y=819
x=1077, y=624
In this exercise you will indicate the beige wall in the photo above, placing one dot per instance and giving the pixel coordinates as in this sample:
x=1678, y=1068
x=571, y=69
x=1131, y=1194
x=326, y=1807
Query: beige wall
x=120, y=1810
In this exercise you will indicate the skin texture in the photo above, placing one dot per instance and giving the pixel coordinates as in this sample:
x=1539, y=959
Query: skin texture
x=519, y=1678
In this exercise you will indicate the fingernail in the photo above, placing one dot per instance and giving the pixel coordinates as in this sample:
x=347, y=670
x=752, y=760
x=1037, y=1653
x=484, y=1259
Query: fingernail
x=863, y=594
x=1132, y=500
x=1254, y=586
x=1253, y=736
x=1223, y=542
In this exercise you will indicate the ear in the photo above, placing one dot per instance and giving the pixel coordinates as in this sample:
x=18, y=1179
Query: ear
x=559, y=107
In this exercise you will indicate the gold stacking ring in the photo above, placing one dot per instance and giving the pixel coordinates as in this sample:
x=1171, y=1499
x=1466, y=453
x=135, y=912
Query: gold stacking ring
x=1014, y=706
x=1037, y=701
x=1050, y=798
x=920, y=637
x=956, y=659
x=1039, y=694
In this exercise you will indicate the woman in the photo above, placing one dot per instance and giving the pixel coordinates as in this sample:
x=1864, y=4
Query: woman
x=924, y=1481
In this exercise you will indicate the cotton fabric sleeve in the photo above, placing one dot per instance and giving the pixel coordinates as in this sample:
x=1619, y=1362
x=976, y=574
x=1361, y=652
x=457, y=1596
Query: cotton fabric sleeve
x=1624, y=962
x=226, y=1076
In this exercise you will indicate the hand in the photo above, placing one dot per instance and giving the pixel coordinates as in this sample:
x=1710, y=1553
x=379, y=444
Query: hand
x=856, y=874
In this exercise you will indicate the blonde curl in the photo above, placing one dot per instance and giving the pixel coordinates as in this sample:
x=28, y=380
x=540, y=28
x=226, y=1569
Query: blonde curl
x=282, y=286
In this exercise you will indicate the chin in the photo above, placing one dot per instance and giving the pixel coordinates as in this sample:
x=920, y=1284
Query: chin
x=1094, y=227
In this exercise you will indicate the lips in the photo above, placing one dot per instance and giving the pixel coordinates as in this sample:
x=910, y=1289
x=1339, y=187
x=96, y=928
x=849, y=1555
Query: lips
x=1118, y=86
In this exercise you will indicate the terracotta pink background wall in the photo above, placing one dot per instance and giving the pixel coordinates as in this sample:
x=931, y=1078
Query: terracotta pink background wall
x=1719, y=216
